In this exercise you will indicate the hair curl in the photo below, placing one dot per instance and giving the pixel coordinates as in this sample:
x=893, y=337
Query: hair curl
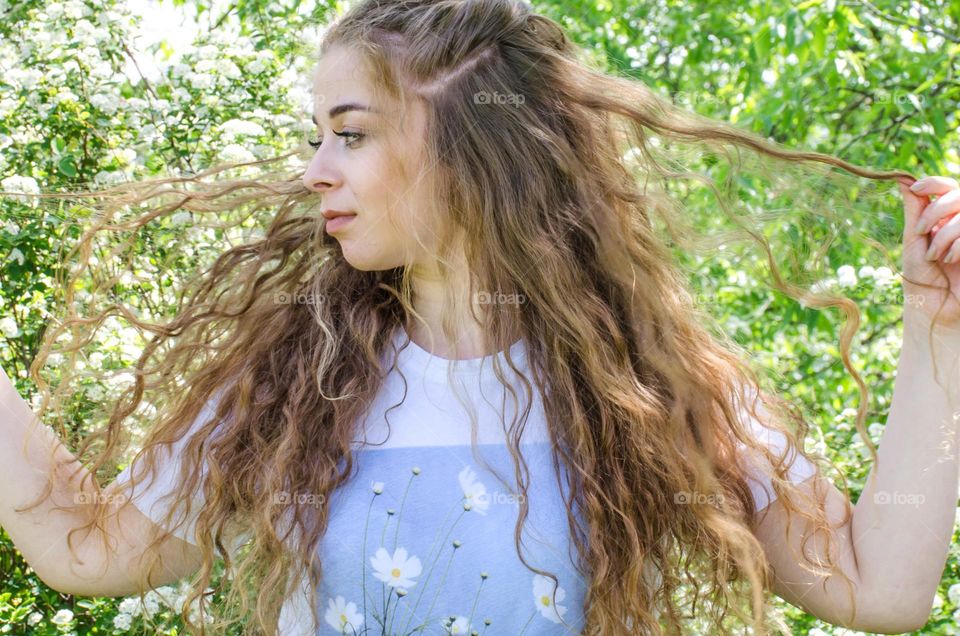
x=565, y=199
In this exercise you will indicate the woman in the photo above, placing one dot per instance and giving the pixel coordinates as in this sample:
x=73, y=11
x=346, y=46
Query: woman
x=469, y=393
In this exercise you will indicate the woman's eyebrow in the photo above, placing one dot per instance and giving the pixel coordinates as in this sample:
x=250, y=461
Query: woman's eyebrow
x=343, y=108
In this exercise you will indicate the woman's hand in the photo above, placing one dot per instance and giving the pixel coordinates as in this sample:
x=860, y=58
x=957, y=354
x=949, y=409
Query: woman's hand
x=934, y=229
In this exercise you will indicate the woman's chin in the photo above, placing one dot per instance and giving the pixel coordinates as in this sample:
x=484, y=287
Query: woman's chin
x=365, y=261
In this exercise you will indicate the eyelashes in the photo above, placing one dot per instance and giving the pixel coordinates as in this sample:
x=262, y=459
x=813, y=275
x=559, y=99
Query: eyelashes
x=353, y=138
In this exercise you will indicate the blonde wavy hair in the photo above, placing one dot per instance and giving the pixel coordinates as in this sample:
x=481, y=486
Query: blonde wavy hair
x=573, y=199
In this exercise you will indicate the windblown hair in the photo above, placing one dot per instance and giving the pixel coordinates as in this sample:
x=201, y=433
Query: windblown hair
x=558, y=180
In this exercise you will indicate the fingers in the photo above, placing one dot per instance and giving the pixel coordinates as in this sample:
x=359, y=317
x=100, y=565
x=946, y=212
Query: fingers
x=946, y=239
x=945, y=205
x=935, y=185
x=913, y=205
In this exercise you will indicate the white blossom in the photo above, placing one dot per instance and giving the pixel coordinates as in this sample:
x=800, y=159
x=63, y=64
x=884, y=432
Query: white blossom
x=846, y=277
x=126, y=156
x=151, y=604
x=883, y=275
x=207, y=52
x=235, y=153
x=16, y=255
x=17, y=183
x=179, y=70
x=236, y=127
x=953, y=593
x=62, y=617
x=75, y=9
x=8, y=326
x=137, y=104
x=227, y=68
x=106, y=103
x=397, y=569
x=205, y=66
x=343, y=616
x=105, y=177
x=65, y=95
x=7, y=106
x=123, y=621
x=84, y=31
x=148, y=133
x=25, y=78
x=54, y=10
x=543, y=598
x=201, y=81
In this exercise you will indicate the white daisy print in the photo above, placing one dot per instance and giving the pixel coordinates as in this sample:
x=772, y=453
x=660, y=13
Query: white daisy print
x=395, y=570
x=543, y=598
x=343, y=616
x=456, y=625
x=474, y=491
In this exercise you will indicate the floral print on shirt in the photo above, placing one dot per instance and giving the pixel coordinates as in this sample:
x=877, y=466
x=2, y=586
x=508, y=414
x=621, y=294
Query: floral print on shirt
x=394, y=578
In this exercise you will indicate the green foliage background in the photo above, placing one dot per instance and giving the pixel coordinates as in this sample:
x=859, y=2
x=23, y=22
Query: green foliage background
x=874, y=83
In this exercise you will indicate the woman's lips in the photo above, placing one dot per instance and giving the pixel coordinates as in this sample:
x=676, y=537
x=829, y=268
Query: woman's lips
x=338, y=222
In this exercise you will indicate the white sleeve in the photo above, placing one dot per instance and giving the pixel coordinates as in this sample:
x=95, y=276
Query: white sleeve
x=295, y=617
x=756, y=465
x=153, y=493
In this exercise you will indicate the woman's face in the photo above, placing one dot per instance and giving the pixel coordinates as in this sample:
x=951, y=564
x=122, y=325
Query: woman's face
x=354, y=171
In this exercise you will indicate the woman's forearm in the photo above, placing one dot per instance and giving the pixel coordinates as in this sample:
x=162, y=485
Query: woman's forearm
x=903, y=520
x=40, y=534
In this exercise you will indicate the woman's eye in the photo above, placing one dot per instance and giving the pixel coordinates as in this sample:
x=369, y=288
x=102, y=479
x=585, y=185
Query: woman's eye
x=352, y=136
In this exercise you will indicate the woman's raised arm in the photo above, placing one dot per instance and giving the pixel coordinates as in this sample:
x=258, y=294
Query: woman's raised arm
x=40, y=533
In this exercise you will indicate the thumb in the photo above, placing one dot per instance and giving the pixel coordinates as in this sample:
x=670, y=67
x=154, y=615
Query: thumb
x=913, y=206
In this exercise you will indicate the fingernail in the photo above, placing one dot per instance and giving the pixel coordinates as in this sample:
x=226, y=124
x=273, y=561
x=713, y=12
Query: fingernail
x=921, y=228
x=931, y=252
x=918, y=185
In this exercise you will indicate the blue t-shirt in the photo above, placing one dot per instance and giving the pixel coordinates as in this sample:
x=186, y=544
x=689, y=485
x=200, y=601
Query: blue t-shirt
x=421, y=539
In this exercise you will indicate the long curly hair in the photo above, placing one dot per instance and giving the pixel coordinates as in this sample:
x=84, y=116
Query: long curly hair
x=576, y=201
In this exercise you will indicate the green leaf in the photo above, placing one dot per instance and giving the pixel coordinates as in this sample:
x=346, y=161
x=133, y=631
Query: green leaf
x=819, y=41
x=761, y=43
x=851, y=15
x=939, y=123
x=67, y=166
